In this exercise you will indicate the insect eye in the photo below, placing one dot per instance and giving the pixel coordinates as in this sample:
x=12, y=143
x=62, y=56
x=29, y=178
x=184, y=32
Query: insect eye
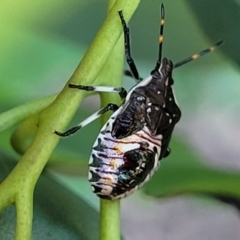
x=140, y=98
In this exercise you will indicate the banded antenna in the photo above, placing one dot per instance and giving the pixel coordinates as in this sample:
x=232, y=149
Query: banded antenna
x=197, y=55
x=160, y=39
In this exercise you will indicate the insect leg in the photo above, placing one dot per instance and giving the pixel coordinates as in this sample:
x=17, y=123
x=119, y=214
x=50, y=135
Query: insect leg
x=129, y=74
x=167, y=153
x=120, y=90
x=94, y=116
x=129, y=58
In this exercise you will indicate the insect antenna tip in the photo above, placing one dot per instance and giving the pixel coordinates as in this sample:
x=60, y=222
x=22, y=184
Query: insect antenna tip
x=162, y=11
x=220, y=42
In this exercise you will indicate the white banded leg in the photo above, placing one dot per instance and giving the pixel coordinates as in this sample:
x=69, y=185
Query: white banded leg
x=94, y=116
x=120, y=90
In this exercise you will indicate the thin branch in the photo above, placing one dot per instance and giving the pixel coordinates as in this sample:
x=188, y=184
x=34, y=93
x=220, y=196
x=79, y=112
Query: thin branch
x=21, y=181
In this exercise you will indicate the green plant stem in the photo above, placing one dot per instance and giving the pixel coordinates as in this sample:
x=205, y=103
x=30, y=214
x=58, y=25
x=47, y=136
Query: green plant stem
x=19, y=185
x=18, y=114
x=112, y=71
x=110, y=220
x=24, y=209
x=24, y=135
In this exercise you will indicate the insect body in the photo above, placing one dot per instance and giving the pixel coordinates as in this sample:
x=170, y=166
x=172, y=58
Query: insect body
x=130, y=145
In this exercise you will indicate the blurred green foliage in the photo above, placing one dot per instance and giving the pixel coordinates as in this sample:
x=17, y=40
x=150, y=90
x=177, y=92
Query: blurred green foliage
x=41, y=43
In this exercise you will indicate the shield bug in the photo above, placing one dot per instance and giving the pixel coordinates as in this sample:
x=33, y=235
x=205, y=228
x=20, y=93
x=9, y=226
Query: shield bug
x=136, y=137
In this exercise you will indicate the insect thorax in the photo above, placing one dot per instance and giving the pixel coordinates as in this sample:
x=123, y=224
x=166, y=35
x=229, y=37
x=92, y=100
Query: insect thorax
x=150, y=103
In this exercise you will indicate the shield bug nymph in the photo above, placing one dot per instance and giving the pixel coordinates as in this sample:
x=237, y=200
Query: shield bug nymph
x=136, y=137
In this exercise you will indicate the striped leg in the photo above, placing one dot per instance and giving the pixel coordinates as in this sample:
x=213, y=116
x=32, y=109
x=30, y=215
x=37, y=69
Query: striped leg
x=129, y=58
x=94, y=116
x=121, y=91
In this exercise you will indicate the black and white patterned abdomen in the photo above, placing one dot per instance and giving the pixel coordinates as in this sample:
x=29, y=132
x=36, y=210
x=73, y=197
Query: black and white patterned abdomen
x=117, y=167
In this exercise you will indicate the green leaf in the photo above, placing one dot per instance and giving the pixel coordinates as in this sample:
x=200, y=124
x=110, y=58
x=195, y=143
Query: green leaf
x=182, y=172
x=220, y=20
x=58, y=212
